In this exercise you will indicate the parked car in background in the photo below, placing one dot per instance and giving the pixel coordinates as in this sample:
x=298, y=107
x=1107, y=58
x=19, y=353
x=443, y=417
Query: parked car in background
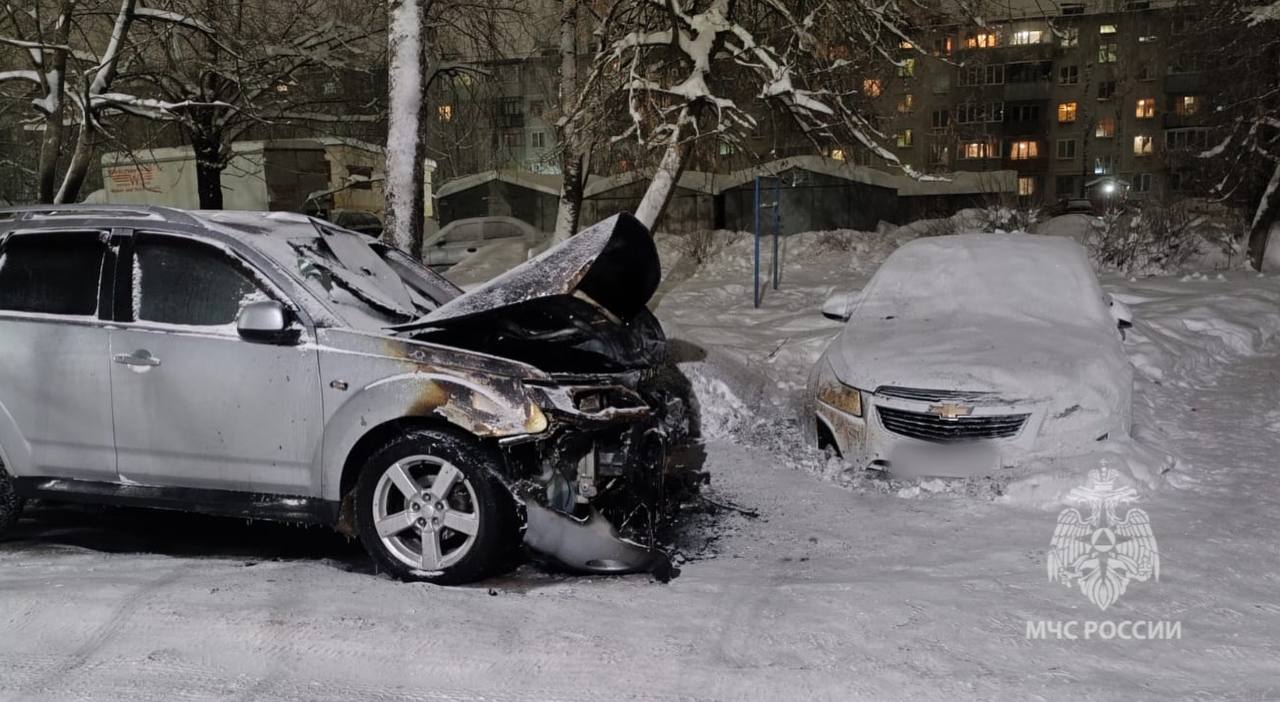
x=357, y=221
x=965, y=354
x=463, y=237
x=275, y=366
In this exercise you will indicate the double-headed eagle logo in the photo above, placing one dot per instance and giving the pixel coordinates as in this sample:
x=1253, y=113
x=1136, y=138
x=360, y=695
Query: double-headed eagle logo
x=1102, y=553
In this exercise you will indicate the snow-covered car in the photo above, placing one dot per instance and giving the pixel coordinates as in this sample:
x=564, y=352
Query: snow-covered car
x=274, y=366
x=463, y=237
x=965, y=354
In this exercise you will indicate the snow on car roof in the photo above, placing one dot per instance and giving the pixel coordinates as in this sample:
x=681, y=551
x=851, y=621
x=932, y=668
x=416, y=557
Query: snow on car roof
x=1020, y=275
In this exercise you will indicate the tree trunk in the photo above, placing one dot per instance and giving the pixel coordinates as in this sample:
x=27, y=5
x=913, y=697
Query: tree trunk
x=1263, y=219
x=663, y=184
x=50, y=148
x=207, y=145
x=406, y=149
x=571, y=194
x=86, y=142
x=55, y=77
x=571, y=160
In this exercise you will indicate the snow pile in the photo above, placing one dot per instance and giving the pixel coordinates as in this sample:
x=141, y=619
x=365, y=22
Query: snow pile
x=1187, y=329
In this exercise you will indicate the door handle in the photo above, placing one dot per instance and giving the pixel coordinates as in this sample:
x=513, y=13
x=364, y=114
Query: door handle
x=141, y=357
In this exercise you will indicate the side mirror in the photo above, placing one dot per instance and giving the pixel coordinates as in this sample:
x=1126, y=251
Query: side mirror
x=1121, y=313
x=839, y=306
x=266, y=322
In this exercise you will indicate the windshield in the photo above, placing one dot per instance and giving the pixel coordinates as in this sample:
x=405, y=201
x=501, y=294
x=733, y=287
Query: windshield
x=367, y=283
x=372, y=285
x=1013, y=277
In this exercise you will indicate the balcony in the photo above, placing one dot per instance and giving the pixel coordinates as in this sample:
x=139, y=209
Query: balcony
x=1184, y=83
x=1173, y=120
x=1028, y=92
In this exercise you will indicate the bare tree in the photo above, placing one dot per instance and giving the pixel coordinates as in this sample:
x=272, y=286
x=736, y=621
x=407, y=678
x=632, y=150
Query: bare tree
x=239, y=65
x=1244, y=74
x=72, y=76
x=679, y=70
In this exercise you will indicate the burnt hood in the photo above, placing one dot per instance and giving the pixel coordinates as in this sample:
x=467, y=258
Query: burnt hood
x=578, y=307
x=613, y=263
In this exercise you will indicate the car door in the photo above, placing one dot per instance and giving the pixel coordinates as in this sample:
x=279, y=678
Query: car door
x=55, y=385
x=195, y=404
x=458, y=243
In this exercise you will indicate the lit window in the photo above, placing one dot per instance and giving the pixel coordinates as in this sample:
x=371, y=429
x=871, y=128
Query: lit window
x=1070, y=37
x=871, y=87
x=906, y=44
x=1026, y=186
x=974, y=150
x=444, y=113
x=1024, y=150
x=837, y=154
x=1146, y=108
x=1027, y=36
x=1106, y=128
x=1143, y=146
x=907, y=68
x=907, y=103
x=1066, y=149
x=1066, y=112
x=982, y=40
x=1107, y=29
x=1104, y=165
x=1108, y=52
x=906, y=138
x=1187, y=105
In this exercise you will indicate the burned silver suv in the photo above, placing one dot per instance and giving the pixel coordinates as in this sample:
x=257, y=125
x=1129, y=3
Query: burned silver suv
x=275, y=366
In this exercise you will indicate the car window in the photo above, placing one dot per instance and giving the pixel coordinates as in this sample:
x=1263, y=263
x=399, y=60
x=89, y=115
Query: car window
x=52, y=273
x=467, y=232
x=188, y=283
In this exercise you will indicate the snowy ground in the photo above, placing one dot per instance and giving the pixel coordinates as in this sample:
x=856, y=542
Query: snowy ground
x=839, y=589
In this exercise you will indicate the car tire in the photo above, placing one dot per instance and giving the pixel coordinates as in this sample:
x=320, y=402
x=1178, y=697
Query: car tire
x=10, y=503
x=429, y=507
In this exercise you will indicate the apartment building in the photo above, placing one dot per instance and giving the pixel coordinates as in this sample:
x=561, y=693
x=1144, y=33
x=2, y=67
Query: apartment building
x=1101, y=99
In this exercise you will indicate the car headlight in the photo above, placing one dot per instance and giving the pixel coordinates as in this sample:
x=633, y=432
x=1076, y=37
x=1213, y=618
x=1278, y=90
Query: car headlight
x=835, y=393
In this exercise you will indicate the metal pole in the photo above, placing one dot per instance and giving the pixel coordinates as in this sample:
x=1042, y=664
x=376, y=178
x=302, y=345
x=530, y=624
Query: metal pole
x=777, y=218
x=755, y=294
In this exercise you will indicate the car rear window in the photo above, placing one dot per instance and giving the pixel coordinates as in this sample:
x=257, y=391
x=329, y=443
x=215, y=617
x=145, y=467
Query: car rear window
x=52, y=274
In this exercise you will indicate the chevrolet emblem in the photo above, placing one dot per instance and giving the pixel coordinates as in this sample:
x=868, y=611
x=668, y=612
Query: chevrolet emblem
x=950, y=411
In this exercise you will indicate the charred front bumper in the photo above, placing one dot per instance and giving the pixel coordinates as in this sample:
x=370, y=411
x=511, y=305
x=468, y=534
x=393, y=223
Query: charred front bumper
x=593, y=482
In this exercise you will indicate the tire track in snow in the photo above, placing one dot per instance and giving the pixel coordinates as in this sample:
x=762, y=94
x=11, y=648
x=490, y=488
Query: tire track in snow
x=60, y=677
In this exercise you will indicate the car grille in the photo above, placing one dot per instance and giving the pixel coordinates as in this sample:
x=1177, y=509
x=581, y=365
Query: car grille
x=924, y=395
x=929, y=427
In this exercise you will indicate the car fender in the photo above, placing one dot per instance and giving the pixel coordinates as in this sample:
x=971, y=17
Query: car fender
x=491, y=408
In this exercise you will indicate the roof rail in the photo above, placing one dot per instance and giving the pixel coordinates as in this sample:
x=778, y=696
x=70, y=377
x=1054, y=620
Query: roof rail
x=82, y=211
